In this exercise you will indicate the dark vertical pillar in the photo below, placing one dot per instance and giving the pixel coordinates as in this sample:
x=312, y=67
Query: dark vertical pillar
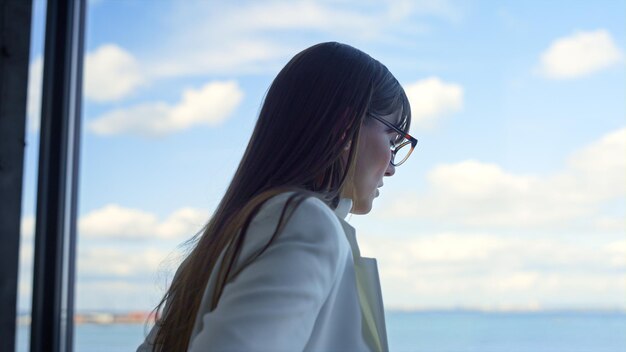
x=15, y=18
x=55, y=230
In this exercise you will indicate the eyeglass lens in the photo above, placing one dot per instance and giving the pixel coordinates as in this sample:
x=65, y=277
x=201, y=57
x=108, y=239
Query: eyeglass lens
x=402, y=153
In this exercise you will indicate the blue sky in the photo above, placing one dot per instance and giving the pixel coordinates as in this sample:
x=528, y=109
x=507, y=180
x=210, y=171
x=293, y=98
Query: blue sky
x=514, y=198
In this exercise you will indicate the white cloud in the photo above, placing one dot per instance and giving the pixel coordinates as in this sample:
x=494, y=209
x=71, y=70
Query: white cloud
x=493, y=272
x=517, y=281
x=244, y=37
x=296, y=15
x=454, y=249
x=237, y=56
x=27, y=227
x=210, y=105
x=33, y=105
x=117, y=295
x=133, y=271
x=473, y=193
x=114, y=221
x=611, y=224
x=478, y=180
x=111, y=277
x=432, y=98
x=111, y=73
x=119, y=263
x=429, y=270
x=25, y=277
x=123, y=277
x=444, y=9
x=580, y=54
x=616, y=253
x=334, y=17
x=601, y=166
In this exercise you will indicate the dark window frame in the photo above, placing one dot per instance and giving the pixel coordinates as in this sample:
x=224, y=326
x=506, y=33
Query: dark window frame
x=52, y=311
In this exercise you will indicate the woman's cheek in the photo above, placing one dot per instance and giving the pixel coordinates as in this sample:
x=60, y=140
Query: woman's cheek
x=385, y=156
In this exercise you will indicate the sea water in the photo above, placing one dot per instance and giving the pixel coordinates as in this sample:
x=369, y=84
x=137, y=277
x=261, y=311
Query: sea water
x=432, y=332
x=507, y=332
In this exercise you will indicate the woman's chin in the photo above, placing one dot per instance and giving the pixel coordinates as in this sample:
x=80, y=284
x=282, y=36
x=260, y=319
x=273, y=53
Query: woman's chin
x=362, y=207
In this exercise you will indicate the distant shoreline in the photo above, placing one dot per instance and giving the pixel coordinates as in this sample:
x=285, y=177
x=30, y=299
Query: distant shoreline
x=143, y=317
x=103, y=318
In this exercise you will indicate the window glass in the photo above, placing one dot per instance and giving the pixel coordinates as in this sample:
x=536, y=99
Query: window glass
x=510, y=209
x=29, y=183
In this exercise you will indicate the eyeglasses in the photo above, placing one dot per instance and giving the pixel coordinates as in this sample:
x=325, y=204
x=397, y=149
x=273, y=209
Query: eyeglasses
x=399, y=151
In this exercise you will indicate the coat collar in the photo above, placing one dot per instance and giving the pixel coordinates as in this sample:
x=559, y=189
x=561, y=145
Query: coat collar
x=343, y=208
x=368, y=284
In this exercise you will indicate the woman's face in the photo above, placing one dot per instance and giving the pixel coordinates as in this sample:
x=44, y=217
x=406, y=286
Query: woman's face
x=372, y=163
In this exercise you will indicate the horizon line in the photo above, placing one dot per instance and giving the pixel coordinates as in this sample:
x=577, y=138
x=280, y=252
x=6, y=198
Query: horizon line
x=417, y=310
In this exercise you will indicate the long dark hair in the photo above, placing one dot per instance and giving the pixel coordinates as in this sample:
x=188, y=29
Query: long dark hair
x=314, y=107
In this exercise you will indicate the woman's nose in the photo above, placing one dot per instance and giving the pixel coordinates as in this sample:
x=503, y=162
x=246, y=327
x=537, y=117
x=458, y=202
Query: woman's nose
x=390, y=170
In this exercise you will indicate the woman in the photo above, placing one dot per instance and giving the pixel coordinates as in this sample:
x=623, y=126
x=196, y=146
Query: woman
x=277, y=268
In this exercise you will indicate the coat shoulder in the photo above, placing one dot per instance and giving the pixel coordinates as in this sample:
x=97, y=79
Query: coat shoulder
x=312, y=218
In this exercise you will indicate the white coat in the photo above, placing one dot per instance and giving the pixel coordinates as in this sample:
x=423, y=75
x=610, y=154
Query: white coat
x=309, y=291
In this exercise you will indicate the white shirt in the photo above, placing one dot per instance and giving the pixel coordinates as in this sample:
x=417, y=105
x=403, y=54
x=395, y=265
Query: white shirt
x=309, y=291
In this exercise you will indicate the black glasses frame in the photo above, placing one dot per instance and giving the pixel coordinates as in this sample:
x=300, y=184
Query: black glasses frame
x=394, y=150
